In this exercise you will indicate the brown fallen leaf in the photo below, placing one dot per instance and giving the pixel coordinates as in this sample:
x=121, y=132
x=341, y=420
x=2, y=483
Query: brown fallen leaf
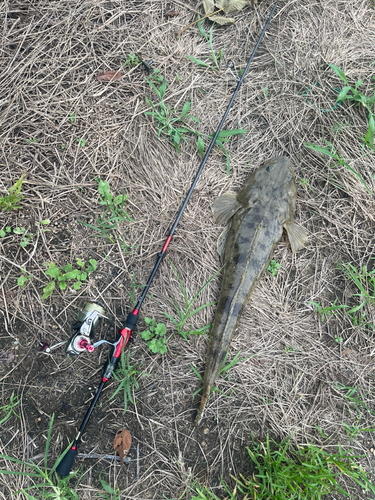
x=122, y=443
x=109, y=76
x=346, y=352
x=173, y=13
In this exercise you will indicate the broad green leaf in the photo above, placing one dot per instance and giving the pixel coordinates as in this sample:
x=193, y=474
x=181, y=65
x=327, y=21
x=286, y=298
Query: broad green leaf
x=198, y=61
x=371, y=130
x=53, y=270
x=19, y=230
x=45, y=222
x=339, y=72
x=22, y=280
x=83, y=276
x=161, y=346
x=16, y=188
x=147, y=335
x=107, y=487
x=62, y=285
x=320, y=149
x=162, y=89
x=342, y=94
x=2, y=233
x=77, y=285
x=200, y=145
x=120, y=199
x=80, y=262
x=152, y=345
x=8, y=229
x=48, y=290
x=67, y=267
x=103, y=188
x=94, y=263
x=71, y=275
x=161, y=329
x=186, y=108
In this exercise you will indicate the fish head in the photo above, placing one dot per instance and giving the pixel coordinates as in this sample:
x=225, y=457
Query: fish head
x=272, y=183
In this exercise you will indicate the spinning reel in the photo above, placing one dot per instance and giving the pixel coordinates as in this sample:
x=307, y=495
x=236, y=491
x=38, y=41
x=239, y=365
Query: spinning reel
x=83, y=338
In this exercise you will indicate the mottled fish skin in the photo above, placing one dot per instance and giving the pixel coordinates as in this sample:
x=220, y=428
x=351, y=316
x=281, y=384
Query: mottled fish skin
x=267, y=203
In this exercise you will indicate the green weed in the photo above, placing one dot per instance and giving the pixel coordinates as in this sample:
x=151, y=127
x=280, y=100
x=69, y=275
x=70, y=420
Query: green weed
x=24, y=278
x=72, y=117
x=305, y=183
x=173, y=123
x=364, y=280
x=330, y=151
x=338, y=339
x=67, y=273
x=8, y=409
x=155, y=336
x=354, y=430
x=111, y=494
x=11, y=200
x=82, y=142
x=308, y=472
x=32, y=140
x=114, y=213
x=273, y=267
x=50, y=485
x=224, y=371
x=351, y=397
x=186, y=312
x=327, y=311
x=216, y=60
x=349, y=93
x=21, y=231
x=126, y=375
x=132, y=61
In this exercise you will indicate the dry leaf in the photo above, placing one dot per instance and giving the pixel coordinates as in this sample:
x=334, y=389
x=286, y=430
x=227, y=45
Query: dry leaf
x=226, y=6
x=209, y=6
x=109, y=76
x=222, y=20
x=346, y=352
x=122, y=443
x=173, y=13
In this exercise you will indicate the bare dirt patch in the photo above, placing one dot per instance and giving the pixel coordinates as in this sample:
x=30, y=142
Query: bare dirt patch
x=66, y=128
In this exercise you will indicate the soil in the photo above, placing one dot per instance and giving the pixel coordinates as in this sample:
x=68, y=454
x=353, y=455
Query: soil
x=295, y=373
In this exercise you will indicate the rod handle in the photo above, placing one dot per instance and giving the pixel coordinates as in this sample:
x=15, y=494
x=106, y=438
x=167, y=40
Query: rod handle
x=64, y=467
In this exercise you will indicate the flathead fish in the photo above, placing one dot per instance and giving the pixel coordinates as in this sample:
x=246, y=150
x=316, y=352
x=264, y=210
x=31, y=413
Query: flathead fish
x=257, y=215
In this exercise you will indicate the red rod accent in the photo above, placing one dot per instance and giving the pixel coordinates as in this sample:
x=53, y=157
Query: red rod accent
x=166, y=243
x=135, y=312
x=73, y=448
x=125, y=333
x=104, y=379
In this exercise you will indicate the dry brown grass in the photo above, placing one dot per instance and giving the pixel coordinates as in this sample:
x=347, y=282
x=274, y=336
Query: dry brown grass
x=50, y=54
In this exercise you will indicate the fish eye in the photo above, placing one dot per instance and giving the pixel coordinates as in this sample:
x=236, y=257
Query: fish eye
x=289, y=177
x=270, y=168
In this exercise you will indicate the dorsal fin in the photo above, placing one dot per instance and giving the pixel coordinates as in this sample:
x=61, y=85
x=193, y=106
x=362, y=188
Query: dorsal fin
x=224, y=207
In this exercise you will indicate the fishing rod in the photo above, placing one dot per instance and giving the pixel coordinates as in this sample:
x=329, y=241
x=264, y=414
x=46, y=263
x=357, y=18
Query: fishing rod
x=82, y=340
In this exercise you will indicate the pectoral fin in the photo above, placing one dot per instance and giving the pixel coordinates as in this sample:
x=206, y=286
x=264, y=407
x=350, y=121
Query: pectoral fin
x=297, y=236
x=225, y=206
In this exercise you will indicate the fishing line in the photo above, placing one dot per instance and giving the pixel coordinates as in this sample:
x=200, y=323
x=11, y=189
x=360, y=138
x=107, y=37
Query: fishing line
x=83, y=338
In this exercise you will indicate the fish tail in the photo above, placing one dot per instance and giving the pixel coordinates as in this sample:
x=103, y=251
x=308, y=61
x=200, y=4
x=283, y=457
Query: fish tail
x=200, y=413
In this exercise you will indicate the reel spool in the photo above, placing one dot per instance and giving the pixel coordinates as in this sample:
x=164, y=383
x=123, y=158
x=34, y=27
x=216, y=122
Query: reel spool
x=88, y=318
